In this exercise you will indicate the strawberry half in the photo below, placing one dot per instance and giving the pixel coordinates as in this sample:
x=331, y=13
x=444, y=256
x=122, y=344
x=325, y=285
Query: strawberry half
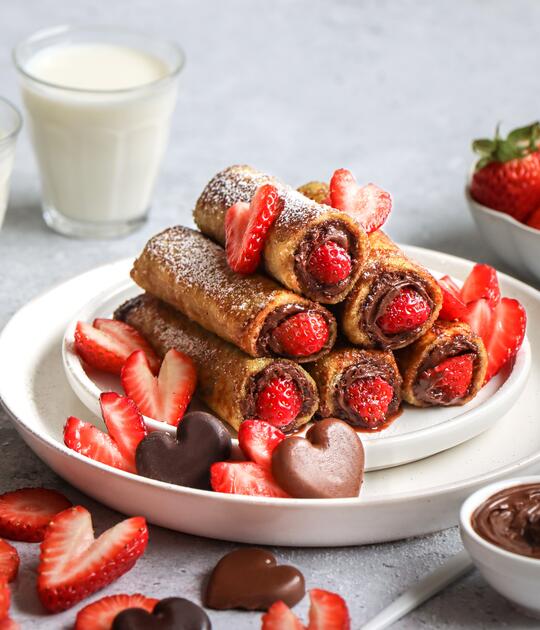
x=9, y=561
x=244, y=478
x=107, y=344
x=328, y=611
x=479, y=315
x=406, y=311
x=88, y=440
x=453, y=307
x=369, y=205
x=5, y=599
x=258, y=439
x=281, y=617
x=279, y=402
x=302, y=335
x=100, y=614
x=451, y=378
x=124, y=424
x=166, y=396
x=370, y=398
x=330, y=263
x=73, y=564
x=246, y=227
x=503, y=341
x=9, y=624
x=481, y=283
x=26, y=513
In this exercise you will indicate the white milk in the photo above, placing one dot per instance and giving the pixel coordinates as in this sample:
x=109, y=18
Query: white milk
x=99, y=148
x=7, y=153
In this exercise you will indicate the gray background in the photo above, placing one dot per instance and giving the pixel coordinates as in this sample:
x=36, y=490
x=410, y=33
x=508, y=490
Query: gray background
x=393, y=90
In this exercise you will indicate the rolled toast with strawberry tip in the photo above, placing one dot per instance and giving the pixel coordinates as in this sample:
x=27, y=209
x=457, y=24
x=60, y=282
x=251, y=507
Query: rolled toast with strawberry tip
x=446, y=366
x=234, y=385
x=361, y=387
x=190, y=272
x=394, y=302
x=301, y=229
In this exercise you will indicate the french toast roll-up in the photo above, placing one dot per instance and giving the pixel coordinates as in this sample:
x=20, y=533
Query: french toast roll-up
x=303, y=245
x=361, y=387
x=446, y=366
x=229, y=381
x=190, y=272
x=394, y=301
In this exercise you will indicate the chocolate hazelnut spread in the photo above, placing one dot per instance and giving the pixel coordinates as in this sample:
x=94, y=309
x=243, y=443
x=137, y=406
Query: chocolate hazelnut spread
x=367, y=369
x=261, y=380
x=425, y=387
x=385, y=288
x=330, y=231
x=510, y=519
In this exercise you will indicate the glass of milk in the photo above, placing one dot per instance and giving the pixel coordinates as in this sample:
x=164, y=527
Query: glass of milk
x=10, y=125
x=99, y=104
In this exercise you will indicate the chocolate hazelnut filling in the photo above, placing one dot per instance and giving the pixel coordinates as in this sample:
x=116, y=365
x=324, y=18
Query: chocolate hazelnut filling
x=263, y=378
x=383, y=291
x=323, y=233
x=510, y=519
x=267, y=344
x=425, y=388
x=369, y=368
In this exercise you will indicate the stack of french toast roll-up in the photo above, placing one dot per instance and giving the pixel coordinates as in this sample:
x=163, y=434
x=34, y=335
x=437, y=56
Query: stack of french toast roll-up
x=333, y=322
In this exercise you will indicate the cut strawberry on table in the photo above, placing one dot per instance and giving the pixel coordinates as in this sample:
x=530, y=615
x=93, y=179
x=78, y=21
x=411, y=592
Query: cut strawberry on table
x=369, y=205
x=507, y=175
x=481, y=283
x=26, y=513
x=164, y=397
x=107, y=343
x=246, y=227
x=302, y=334
x=73, y=564
x=508, y=326
x=281, y=617
x=5, y=599
x=258, y=439
x=328, y=611
x=100, y=614
x=9, y=561
x=244, y=478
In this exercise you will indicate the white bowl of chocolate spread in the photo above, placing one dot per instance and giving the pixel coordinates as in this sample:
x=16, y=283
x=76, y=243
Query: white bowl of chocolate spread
x=500, y=528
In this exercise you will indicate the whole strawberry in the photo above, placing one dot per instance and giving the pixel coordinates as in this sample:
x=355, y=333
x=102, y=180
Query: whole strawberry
x=507, y=175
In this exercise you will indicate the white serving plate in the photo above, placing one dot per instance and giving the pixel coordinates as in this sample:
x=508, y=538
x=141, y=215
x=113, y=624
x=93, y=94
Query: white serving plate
x=395, y=503
x=417, y=433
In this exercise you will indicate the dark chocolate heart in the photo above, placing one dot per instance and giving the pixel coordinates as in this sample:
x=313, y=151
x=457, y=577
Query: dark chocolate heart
x=252, y=579
x=201, y=439
x=173, y=613
x=327, y=463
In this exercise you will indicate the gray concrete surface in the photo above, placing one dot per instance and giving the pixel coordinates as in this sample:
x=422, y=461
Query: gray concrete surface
x=393, y=90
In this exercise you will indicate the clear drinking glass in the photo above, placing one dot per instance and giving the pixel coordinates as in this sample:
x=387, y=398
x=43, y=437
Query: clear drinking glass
x=10, y=125
x=98, y=150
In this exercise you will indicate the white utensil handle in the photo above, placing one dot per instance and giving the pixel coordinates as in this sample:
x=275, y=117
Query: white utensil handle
x=451, y=570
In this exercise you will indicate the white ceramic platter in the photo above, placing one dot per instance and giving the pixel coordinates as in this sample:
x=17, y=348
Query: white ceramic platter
x=403, y=501
x=417, y=433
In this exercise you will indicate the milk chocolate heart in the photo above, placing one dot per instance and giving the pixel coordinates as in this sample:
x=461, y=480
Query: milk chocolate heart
x=252, y=579
x=327, y=463
x=173, y=613
x=201, y=439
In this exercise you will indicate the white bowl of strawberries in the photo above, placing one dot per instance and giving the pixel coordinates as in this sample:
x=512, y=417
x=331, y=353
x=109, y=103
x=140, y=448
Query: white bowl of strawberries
x=503, y=193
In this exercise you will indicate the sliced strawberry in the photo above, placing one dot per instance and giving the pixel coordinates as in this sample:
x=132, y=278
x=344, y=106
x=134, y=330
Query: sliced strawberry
x=25, y=513
x=73, y=564
x=369, y=205
x=100, y=614
x=9, y=561
x=509, y=322
x=9, y=624
x=246, y=227
x=481, y=283
x=301, y=335
x=244, y=478
x=124, y=423
x=281, y=617
x=450, y=380
x=107, y=343
x=370, y=398
x=166, y=396
x=5, y=599
x=478, y=315
x=88, y=440
x=279, y=402
x=408, y=310
x=328, y=611
x=258, y=439
x=534, y=219
x=453, y=307
x=329, y=263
